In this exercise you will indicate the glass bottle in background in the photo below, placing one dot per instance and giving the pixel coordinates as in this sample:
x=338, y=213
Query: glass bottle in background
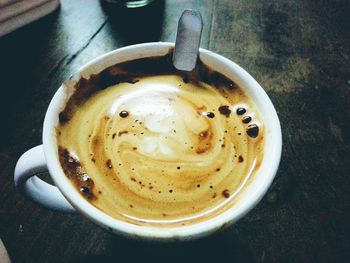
x=130, y=3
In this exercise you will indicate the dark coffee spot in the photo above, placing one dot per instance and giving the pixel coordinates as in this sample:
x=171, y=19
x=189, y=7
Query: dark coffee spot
x=84, y=190
x=225, y=110
x=178, y=167
x=210, y=115
x=240, y=159
x=109, y=164
x=217, y=169
x=223, y=145
x=211, y=187
x=100, y=192
x=131, y=206
x=239, y=133
x=63, y=118
x=246, y=119
x=214, y=195
x=113, y=136
x=150, y=187
x=121, y=133
x=170, y=191
x=241, y=111
x=93, y=160
x=253, y=130
x=232, y=86
x=134, y=148
x=71, y=159
x=123, y=114
x=226, y=193
x=203, y=134
x=198, y=185
x=133, y=179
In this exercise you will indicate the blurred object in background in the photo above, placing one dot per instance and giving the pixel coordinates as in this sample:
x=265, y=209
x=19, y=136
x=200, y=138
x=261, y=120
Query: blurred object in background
x=130, y=3
x=4, y=257
x=17, y=13
x=135, y=25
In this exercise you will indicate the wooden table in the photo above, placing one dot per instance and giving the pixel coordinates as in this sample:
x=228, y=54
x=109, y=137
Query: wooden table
x=300, y=53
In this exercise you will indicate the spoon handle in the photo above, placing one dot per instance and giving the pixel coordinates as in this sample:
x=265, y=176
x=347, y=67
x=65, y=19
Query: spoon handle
x=188, y=39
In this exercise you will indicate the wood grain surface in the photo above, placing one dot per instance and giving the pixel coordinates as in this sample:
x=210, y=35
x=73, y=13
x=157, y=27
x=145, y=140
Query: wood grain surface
x=300, y=53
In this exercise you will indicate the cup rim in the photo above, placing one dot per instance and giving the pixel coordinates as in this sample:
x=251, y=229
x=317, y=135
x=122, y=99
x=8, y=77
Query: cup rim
x=267, y=170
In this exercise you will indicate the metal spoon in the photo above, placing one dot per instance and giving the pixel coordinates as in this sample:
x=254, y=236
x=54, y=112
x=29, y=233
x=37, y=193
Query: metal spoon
x=189, y=31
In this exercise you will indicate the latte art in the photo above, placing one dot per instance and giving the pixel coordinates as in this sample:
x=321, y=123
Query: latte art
x=159, y=149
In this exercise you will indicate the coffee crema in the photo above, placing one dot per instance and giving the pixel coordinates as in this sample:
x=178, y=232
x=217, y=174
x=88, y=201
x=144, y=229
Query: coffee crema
x=148, y=144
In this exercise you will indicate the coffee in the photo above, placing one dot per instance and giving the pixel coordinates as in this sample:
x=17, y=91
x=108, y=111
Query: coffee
x=148, y=144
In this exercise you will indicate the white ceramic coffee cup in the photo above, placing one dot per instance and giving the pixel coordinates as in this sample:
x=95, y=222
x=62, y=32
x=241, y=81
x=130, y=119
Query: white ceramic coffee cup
x=65, y=198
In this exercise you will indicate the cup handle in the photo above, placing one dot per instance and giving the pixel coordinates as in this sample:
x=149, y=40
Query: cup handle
x=29, y=164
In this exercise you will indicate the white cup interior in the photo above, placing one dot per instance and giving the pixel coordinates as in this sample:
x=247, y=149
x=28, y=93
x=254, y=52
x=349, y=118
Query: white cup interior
x=252, y=193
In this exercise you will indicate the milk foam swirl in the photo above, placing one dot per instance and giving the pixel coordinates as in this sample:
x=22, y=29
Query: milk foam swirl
x=161, y=150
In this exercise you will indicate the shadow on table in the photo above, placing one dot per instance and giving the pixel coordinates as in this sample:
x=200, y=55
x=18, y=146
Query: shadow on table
x=21, y=53
x=136, y=25
x=222, y=247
